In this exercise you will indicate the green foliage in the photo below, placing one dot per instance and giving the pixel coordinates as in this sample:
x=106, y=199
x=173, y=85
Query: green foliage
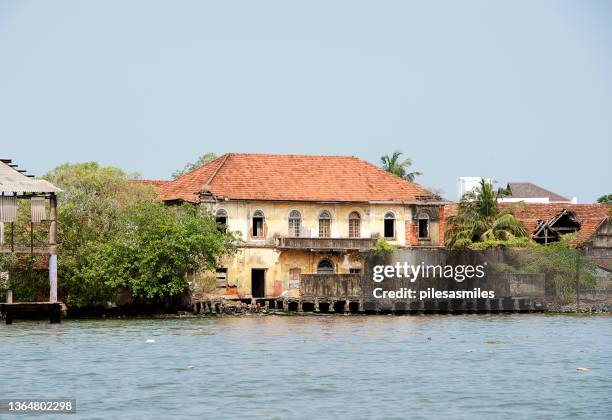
x=560, y=264
x=381, y=248
x=202, y=160
x=155, y=248
x=114, y=236
x=605, y=199
x=479, y=224
x=513, y=242
x=27, y=283
x=394, y=165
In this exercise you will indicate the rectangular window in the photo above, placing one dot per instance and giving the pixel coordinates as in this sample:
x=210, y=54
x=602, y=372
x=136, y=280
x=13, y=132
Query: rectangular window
x=355, y=270
x=324, y=228
x=354, y=225
x=389, y=228
x=221, y=277
x=423, y=228
x=258, y=223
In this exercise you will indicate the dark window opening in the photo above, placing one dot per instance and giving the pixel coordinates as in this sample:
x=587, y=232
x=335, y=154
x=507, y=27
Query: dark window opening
x=221, y=218
x=355, y=270
x=423, y=226
x=389, y=225
x=258, y=224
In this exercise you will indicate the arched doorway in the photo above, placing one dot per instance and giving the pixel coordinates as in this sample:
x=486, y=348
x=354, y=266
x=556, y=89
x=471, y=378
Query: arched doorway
x=325, y=266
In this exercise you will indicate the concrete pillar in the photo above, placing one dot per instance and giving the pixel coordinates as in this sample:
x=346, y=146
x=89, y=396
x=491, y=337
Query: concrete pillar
x=53, y=249
x=9, y=296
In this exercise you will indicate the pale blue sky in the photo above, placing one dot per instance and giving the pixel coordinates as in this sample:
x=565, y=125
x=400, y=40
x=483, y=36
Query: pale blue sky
x=514, y=90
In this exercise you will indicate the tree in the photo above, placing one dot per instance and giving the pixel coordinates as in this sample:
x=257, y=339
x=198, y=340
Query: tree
x=605, y=199
x=478, y=220
x=395, y=166
x=155, y=247
x=202, y=160
x=113, y=236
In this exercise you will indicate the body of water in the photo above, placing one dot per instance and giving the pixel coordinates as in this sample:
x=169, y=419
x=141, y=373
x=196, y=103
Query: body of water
x=280, y=367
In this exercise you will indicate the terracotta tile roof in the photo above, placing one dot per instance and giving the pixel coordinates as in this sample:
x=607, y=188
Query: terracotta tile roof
x=529, y=190
x=242, y=176
x=591, y=216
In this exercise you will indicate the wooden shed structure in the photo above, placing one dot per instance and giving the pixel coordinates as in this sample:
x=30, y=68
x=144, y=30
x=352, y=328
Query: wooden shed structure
x=15, y=186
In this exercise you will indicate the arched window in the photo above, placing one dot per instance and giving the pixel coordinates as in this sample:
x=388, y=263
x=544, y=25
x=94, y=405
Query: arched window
x=423, y=226
x=324, y=224
x=295, y=223
x=258, y=224
x=221, y=217
x=325, y=266
x=389, y=225
x=354, y=225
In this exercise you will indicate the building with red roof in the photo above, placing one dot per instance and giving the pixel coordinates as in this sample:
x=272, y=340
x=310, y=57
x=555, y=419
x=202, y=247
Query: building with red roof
x=302, y=214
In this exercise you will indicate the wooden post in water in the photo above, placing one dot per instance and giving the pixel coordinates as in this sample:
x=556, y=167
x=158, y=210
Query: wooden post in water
x=53, y=249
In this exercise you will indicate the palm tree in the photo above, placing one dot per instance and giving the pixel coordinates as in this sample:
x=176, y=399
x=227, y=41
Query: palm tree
x=478, y=219
x=392, y=164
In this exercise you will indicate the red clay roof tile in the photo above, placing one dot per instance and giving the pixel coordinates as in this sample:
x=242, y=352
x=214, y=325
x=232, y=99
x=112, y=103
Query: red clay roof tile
x=242, y=176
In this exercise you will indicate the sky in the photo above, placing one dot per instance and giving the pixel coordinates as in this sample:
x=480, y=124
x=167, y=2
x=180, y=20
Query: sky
x=514, y=91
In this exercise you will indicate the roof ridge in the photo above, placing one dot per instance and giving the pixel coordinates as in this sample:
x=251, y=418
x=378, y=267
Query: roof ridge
x=292, y=155
x=216, y=171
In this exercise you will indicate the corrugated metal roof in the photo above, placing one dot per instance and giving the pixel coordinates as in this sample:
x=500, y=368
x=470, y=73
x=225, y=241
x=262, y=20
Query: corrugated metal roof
x=12, y=180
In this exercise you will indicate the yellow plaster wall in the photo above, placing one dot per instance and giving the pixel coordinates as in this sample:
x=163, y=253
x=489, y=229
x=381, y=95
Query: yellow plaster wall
x=277, y=218
x=260, y=253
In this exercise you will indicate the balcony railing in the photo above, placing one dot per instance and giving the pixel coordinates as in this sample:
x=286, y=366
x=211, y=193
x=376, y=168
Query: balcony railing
x=331, y=286
x=327, y=244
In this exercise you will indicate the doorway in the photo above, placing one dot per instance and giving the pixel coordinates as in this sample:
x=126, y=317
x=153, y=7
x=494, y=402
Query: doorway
x=258, y=282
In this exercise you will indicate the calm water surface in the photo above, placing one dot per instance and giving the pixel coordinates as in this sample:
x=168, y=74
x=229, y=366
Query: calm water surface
x=277, y=367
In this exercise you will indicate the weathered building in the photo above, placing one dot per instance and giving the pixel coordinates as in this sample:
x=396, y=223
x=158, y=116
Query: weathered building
x=301, y=214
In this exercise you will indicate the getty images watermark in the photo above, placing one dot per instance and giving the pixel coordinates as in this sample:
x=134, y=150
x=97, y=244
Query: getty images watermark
x=412, y=272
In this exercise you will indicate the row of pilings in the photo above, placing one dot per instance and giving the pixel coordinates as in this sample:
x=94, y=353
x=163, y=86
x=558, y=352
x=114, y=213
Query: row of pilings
x=305, y=305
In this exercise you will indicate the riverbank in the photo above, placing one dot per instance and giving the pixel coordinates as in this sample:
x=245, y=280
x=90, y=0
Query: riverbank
x=238, y=309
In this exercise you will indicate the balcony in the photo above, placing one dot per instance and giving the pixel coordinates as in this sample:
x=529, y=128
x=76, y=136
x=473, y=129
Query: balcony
x=331, y=286
x=325, y=244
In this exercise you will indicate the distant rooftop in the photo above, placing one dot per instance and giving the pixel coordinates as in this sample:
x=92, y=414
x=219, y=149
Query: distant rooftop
x=528, y=190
